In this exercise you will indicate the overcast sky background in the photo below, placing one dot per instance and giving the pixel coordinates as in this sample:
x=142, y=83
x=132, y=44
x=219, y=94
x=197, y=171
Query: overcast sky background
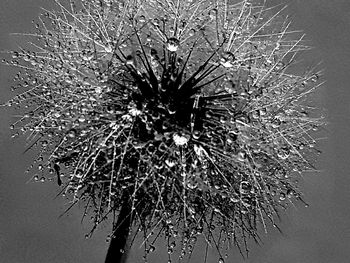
x=31, y=232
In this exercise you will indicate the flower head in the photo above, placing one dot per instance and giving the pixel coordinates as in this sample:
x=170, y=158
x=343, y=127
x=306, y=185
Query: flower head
x=189, y=110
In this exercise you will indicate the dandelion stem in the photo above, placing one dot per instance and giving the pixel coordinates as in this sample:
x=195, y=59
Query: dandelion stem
x=117, y=251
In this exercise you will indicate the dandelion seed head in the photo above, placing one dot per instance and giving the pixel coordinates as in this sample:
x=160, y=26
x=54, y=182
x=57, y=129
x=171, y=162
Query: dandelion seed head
x=192, y=111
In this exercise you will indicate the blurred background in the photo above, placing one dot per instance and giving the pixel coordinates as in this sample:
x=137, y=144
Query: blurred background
x=32, y=232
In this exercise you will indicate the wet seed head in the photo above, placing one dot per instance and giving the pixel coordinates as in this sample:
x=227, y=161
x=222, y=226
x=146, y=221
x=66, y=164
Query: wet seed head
x=189, y=113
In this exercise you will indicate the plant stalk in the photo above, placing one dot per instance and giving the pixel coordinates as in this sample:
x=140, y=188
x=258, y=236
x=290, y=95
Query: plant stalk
x=118, y=247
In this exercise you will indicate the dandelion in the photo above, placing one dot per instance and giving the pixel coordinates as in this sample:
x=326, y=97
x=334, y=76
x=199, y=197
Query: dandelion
x=177, y=119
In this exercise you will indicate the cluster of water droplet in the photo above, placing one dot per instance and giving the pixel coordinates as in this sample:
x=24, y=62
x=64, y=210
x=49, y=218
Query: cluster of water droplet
x=190, y=109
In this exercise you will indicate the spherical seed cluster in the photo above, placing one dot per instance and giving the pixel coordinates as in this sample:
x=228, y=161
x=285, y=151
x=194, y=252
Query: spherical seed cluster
x=190, y=111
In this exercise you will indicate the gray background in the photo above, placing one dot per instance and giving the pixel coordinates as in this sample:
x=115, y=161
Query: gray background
x=31, y=232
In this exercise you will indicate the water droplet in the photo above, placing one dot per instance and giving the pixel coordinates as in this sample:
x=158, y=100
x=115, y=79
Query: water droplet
x=149, y=39
x=156, y=22
x=180, y=140
x=173, y=44
x=87, y=57
x=227, y=59
x=152, y=248
x=129, y=60
x=234, y=198
x=262, y=111
x=72, y=133
x=44, y=143
x=108, y=49
x=98, y=90
x=192, y=184
x=279, y=66
x=255, y=115
x=290, y=193
x=244, y=187
x=15, y=54
x=314, y=78
x=283, y=153
x=213, y=13
x=196, y=134
x=154, y=54
x=282, y=196
x=241, y=156
x=82, y=118
x=142, y=19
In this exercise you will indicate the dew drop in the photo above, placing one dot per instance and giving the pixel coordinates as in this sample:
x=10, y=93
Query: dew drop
x=44, y=143
x=152, y=248
x=98, y=90
x=142, y=19
x=234, y=199
x=173, y=244
x=156, y=22
x=192, y=185
x=255, y=115
x=213, y=13
x=154, y=54
x=108, y=49
x=179, y=139
x=227, y=59
x=173, y=44
x=196, y=134
x=129, y=60
x=283, y=153
x=15, y=54
x=72, y=133
x=244, y=187
x=241, y=156
x=82, y=118
x=282, y=196
x=314, y=78
x=192, y=32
